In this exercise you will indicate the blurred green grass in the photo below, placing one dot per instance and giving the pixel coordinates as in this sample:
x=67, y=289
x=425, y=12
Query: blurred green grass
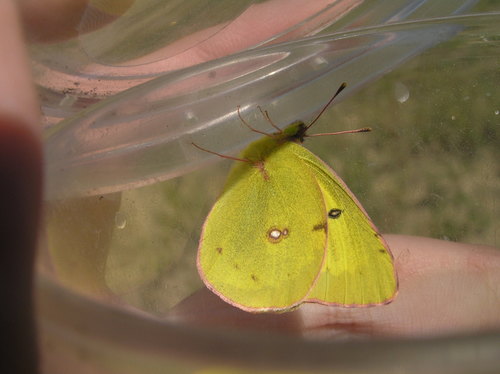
x=430, y=167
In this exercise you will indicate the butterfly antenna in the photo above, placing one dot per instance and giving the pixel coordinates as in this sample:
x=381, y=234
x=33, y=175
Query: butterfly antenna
x=340, y=89
x=221, y=155
x=265, y=113
x=364, y=129
x=248, y=125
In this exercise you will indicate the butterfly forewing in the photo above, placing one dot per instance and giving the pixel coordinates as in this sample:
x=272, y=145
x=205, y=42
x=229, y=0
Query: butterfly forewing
x=263, y=244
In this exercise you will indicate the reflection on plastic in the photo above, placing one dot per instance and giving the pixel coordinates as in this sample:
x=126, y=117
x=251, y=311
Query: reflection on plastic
x=144, y=134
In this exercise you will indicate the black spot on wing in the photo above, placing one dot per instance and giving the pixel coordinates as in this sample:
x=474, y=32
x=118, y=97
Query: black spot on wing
x=334, y=213
x=254, y=278
x=219, y=250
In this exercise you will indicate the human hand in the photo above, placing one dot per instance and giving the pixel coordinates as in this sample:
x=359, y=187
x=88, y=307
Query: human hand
x=444, y=287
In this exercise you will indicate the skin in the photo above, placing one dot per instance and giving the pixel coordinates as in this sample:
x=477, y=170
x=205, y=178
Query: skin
x=20, y=192
x=444, y=286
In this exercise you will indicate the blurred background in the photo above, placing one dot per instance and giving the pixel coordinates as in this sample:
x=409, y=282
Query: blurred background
x=125, y=96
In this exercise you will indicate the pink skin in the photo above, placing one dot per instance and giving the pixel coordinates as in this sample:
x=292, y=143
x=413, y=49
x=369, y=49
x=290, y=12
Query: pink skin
x=444, y=287
x=20, y=194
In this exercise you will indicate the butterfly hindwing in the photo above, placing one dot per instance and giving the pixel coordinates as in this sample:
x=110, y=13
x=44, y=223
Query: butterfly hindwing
x=359, y=268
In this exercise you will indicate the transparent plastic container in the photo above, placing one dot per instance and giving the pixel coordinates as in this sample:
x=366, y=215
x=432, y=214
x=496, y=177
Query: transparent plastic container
x=120, y=44
x=127, y=193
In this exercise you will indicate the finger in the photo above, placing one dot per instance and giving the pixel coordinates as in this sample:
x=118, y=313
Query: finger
x=53, y=20
x=18, y=99
x=206, y=309
x=444, y=287
x=20, y=181
x=263, y=22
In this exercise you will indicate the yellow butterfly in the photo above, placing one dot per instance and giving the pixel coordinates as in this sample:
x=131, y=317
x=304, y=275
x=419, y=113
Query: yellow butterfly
x=287, y=230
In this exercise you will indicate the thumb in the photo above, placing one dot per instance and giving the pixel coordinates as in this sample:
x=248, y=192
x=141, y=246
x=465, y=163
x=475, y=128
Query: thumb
x=20, y=195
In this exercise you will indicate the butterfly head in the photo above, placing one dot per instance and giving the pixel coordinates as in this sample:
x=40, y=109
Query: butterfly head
x=295, y=132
